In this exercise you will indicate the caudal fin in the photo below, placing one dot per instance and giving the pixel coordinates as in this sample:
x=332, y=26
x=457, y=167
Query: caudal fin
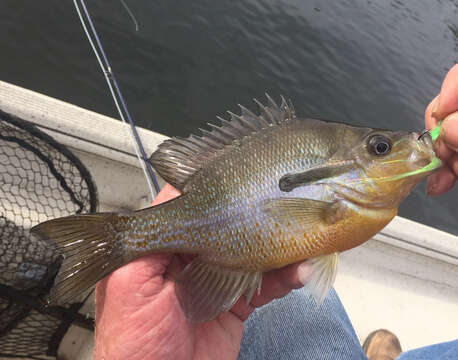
x=89, y=248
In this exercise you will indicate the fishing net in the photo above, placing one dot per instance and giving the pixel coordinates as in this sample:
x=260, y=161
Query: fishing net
x=40, y=179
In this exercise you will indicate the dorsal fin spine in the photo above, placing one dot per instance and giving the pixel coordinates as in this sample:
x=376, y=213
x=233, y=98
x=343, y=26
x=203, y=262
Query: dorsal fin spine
x=265, y=112
x=198, y=142
x=209, y=139
x=186, y=144
x=223, y=134
x=243, y=122
x=234, y=126
x=272, y=103
x=250, y=115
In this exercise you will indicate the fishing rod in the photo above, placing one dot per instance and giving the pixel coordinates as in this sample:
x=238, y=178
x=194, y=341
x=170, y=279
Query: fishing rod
x=119, y=101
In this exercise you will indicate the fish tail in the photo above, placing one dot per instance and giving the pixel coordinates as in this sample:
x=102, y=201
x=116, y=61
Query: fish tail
x=90, y=249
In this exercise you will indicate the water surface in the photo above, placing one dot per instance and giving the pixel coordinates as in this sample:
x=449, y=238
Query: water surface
x=373, y=63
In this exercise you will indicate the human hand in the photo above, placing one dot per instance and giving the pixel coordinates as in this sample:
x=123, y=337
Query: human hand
x=445, y=107
x=138, y=315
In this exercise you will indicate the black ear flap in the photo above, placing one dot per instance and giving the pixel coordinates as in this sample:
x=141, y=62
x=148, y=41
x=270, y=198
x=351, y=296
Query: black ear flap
x=289, y=182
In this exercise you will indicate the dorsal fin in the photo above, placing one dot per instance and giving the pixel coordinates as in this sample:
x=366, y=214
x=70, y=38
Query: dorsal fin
x=177, y=159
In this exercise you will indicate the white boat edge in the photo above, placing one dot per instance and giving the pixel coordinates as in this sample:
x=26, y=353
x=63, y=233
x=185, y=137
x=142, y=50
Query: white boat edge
x=404, y=279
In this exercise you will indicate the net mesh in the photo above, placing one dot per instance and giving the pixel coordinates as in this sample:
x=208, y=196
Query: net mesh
x=40, y=179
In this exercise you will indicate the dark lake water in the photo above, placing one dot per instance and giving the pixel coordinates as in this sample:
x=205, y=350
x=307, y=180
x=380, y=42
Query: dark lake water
x=375, y=63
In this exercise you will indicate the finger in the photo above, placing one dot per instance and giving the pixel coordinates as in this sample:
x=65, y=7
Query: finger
x=277, y=283
x=448, y=100
x=141, y=275
x=167, y=193
x=441, y=181
x=442, y=151
x=176, y=266
x=241, y=309
x=453, y=164
x=100, y=293
x=431, y=121
x=155, y=264
x=449, y=131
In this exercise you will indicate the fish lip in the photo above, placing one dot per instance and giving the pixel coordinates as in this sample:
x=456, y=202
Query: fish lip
x=426, y=139
x=425, y=154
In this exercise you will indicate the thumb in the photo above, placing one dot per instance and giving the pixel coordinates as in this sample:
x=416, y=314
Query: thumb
x=449, y=131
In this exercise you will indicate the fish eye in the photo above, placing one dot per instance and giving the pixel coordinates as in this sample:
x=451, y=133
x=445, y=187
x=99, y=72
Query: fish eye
x=379, y=145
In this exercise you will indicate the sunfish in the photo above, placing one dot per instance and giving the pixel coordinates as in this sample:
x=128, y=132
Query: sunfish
x=259, y=192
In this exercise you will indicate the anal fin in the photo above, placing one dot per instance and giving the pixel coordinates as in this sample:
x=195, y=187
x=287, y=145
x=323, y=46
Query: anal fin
x=205, y=290
x=318, y=275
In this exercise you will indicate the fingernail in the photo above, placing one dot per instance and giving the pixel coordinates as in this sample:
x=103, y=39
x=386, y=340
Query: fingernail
x=431, y=184
x=435, y=107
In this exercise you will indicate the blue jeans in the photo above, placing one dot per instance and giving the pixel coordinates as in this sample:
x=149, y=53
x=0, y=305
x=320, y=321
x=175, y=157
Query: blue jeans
x=294, y=328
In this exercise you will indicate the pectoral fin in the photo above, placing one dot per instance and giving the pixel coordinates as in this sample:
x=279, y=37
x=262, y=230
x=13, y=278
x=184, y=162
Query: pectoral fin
x=205, y=290
x=306, y=212
x=318, y=275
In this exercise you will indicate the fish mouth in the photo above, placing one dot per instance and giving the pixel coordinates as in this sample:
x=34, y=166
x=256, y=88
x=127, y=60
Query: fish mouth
x=425, y=140
x=423, y=158
x=423, y=151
